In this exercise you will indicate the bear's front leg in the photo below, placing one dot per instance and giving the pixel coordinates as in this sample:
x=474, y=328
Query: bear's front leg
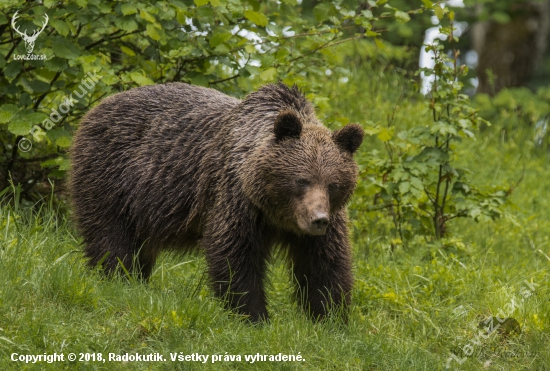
x=237, y=254
x=322, y=269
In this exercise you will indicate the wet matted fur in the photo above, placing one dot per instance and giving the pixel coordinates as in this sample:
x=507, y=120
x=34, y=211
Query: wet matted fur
x=178, y=167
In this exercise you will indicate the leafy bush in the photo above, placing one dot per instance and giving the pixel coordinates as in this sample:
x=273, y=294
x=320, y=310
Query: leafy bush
x=415, y=177
x=94, y=49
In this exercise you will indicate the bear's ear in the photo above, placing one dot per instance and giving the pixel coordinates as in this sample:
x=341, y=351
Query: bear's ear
x=287, y=125
x=349, y=138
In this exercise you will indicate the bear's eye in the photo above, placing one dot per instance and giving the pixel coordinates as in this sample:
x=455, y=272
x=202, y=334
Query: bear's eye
x=333, y=187
x=302, y=182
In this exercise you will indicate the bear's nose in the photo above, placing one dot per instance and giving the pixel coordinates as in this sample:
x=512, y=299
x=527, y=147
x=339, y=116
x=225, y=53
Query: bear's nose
x=320, y=221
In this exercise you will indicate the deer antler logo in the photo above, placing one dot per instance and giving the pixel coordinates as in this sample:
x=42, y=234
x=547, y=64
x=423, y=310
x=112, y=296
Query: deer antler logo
x=29, y=40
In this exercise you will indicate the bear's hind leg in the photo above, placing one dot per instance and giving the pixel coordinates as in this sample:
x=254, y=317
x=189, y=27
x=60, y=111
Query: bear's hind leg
x=117, y=248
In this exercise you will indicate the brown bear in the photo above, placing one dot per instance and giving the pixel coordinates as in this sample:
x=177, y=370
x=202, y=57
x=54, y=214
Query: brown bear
x=176, y=166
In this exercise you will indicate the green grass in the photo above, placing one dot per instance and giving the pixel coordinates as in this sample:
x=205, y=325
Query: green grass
x=51, y=303
x=411, y=308
x=404, y=314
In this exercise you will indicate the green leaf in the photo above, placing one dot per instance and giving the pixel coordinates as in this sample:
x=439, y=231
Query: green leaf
x=323, y=11
x=404, y=187
x=255, y=17
x=38, y=86
x=215, y=3
x=428, y=4
x=464, y=123
x=384, y=135
x=36, y=117
x=7, y=111
x=199, y=3
x=181, y=16
x=371, y=130
x=402, y=16
x=250, y=49
x=433, y=154
x=367, y=14
x=87, y=59
x=200, y=80
x=140, y=79
x=219, y=36
x=468, y=133
x=55, y=64
x=379, y=43
x=126, y=50
x=12, y=70
x=438, y=12
x=221, y=49
x=443, y=128
x=22, y=123
x=63, y=142
x=50, y=162
x=127, y=9
x=127, y=23
x=148, y=17
x=474, y=212
x=63, y=163
x=151, y=31
x=60, y=26
x=269, y=74
x=65, y=49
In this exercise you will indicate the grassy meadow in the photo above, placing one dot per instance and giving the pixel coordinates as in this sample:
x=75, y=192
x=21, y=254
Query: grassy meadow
x=413, y=308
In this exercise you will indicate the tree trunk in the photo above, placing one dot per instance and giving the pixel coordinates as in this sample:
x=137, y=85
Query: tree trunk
x=510, y=53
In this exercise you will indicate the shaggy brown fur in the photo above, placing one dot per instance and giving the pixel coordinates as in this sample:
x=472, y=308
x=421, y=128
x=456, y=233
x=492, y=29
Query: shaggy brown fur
x=177, y=166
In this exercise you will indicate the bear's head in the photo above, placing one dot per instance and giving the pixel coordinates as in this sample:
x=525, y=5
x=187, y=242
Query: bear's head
x=303, y=174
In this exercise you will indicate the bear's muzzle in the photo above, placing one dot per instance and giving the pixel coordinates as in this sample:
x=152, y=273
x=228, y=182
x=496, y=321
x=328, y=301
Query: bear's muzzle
x=313, y=212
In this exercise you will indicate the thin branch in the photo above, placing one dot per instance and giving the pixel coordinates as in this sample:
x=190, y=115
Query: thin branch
x=80, y=26
x=3, y=27
x=7, y=41
x=447, y=180
x=512, y=188
x=324, y=46
x=375, y=207
x=46, y=93
x=13, y=155
x=223, y=80
x=436, y=204
x=461, y=214
x=36, y=159
x=291, y=37
x=196, y=59
x=111, y=38
x=178, y=72
x=15, y=44
x=430, y=197
x=92, y=102
x=106, y=38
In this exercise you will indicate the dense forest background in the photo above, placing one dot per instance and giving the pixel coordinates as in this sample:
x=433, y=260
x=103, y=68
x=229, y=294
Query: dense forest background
x=235, y=47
